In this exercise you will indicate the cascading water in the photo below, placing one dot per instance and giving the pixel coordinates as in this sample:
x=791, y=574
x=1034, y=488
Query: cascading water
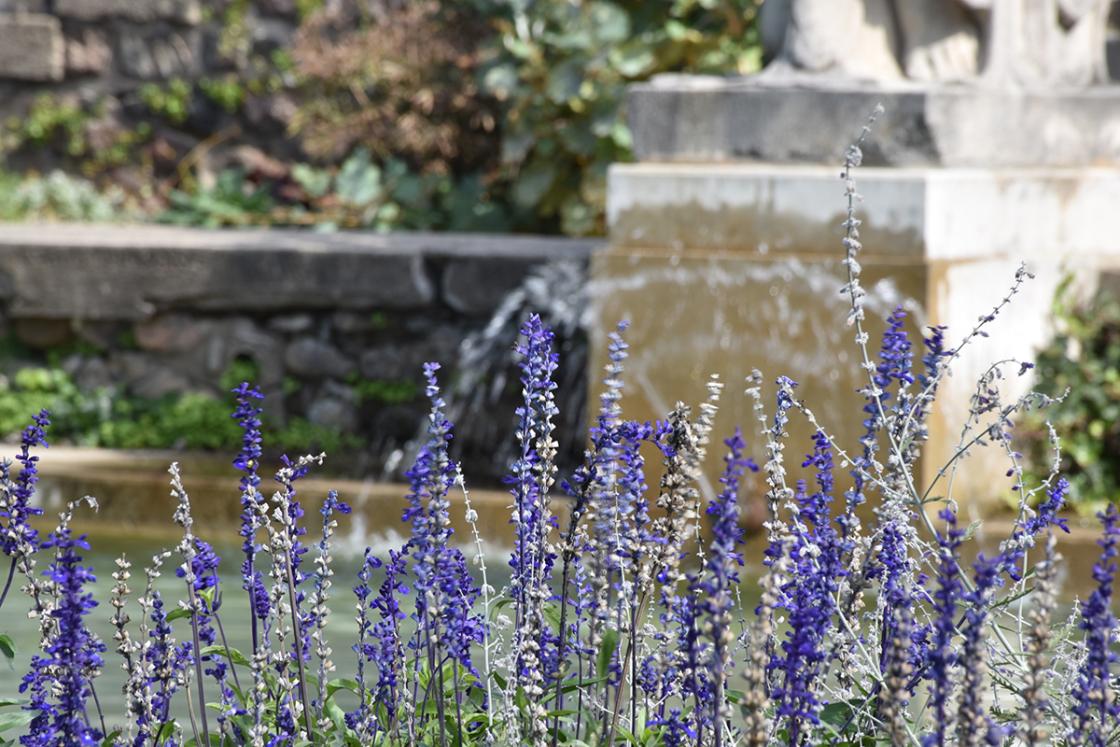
x=482, y=386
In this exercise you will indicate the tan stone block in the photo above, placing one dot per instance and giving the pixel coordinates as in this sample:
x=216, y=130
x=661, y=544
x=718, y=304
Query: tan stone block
x=88, y=53
x=31, y=47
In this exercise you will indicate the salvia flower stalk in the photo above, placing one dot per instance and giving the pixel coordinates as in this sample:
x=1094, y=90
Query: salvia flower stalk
x=869, y=622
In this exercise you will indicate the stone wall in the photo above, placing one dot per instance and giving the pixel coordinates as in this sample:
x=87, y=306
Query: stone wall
x=87, y=64
x=118, y=41
x=337, y=325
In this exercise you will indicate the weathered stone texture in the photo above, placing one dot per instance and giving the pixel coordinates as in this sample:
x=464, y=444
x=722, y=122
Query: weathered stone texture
x=807, y=120
x=317, y=359
x=129, y=273
x=23, y=6
x=143, y=11
x=171, y=333
x=31, y=47
x=161, y=55
x=88, y=53
x=336, y=327
x=43, y=334
x=478, y=286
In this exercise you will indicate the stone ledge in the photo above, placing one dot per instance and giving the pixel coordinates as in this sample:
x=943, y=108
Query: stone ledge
x=129, y=273
x=909, y=214
x=812, y=120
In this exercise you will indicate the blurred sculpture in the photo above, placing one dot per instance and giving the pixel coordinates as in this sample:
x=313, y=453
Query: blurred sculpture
x=1025, y=43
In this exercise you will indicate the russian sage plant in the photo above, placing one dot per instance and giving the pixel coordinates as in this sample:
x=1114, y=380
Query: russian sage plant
x=871, y=617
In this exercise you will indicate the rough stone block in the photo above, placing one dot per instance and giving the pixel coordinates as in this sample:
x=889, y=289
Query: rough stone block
x=131, y=273
x=171, y=333
x=157, y=56
x=88, y=53
x=43, y=334
x=31, y=47
x=809, y=120
x=141, y=11
x=23, y=6
x=316, y=359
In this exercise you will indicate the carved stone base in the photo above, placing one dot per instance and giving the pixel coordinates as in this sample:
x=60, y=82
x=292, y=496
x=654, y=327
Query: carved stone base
x=791, y=117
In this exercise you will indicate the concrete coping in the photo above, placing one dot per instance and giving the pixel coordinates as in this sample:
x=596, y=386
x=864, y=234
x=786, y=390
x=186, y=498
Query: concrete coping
x=157, y=237
x=813, y=119
x=130, y=272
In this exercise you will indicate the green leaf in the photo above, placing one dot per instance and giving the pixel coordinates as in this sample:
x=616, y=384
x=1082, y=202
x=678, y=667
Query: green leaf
x=501, y=81
x=336, y=715
x=334, y=686
x=7, y=647
x=632, y=61
x=178, y=614
x=315, y=182
x=611, y=23
x=15, y=720
x=359, y=180
x=234, y=655
x=533, y=182
x=606, y=652
x=564, y=81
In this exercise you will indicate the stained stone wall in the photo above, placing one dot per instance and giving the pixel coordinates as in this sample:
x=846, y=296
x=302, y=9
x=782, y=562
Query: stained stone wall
x=113, y=40
x=97, y=55
x=326, y=318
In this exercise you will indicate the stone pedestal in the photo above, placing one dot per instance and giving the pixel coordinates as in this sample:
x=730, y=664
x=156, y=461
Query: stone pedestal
x=724, y=263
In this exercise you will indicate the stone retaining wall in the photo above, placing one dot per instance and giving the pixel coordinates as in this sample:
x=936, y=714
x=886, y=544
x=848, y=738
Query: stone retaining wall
x=85, y=71
x=117, y=40
x=337, y=325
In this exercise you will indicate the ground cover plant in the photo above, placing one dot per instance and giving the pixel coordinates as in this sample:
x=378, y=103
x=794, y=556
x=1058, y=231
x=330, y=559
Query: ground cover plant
x=473, y=115
x=622, y=622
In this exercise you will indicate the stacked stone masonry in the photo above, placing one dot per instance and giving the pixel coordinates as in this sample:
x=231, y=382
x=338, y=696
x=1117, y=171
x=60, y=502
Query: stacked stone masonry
x=100, y=44
x=153, y=311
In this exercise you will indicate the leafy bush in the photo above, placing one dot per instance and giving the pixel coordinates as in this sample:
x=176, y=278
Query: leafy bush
x=561, y=69
x=58, y=196
x=1081, y=365
x=359, y=194
x=480, y=115
x=623, y=622
x=108, y=419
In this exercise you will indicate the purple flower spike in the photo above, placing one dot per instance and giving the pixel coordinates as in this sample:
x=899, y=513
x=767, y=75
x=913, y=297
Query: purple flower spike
x=942, y=656
x=531, y=477
x=1096, y=712
x=447, y=626
x=248, y=461
x=61, y=678
x=809, y=596
x=17, y=532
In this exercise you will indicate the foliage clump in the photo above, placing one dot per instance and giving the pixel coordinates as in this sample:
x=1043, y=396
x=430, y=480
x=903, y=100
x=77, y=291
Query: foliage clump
x=480, y=115
x=110, y=419
x=1081, y=367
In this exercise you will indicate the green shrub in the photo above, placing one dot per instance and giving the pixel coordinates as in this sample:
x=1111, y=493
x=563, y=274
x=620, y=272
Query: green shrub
x=1083, y=363
x=109, y=419
x=57, y=196
x=479, y=115
x=561, y=70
